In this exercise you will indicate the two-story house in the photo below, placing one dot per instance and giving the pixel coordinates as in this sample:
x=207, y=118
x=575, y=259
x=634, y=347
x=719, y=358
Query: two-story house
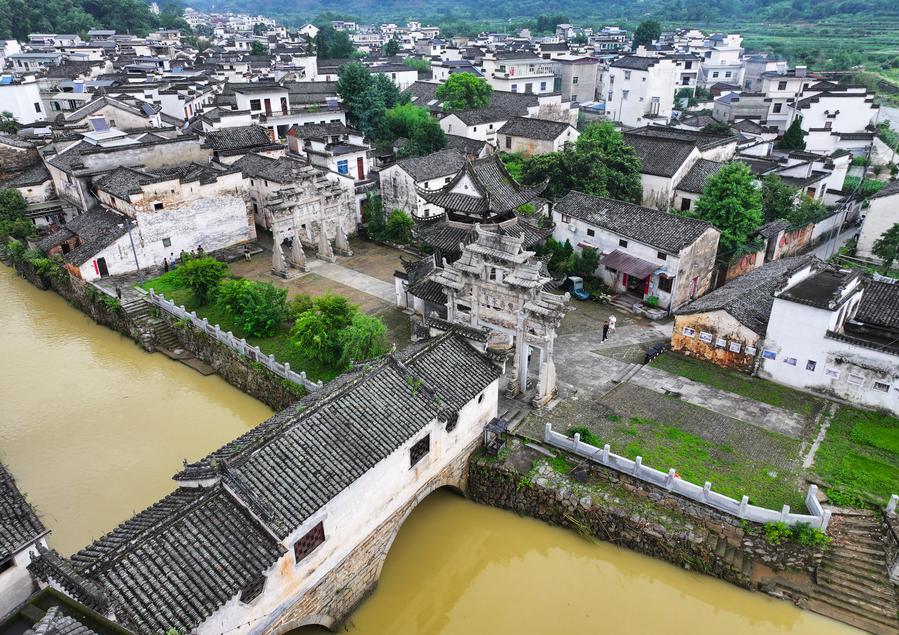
x=640, y=90
x=518, y=72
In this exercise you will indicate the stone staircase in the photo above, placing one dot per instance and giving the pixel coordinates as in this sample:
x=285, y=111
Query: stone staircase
x=731, y=556
x=852, y=581
x=139, y=311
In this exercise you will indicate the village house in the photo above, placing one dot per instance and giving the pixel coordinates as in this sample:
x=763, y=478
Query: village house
x=722, y=60
x=835, y=331
x=229, y=144
x=836, y=117
x=21, y=531
x=727, y=326
x=299, y=494
x=150, y=215
x=667, y=155
x=401, y=181
x=883, y=213
x=781, y=89
x=21, y=96
x=643, y=252
x=531, y=136
x=118, y=112
x=518, y=72
x=639, y=90
x=577, y=75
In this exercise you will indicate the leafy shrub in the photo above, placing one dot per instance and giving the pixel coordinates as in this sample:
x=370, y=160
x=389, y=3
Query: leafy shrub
x=398, y=227
x=257, y=307
x=299, y=304
x=16, y=250
x=363, y=339
x=587, y=436
x=845, y=498
x=652, y=301
x=317, y=331
x=201, y=276
x=777, y=532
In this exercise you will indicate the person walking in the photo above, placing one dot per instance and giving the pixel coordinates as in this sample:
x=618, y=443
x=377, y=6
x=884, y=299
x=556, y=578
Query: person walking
x=165, y=265
x=118, y=293
x=246, y=253
x=605, y=330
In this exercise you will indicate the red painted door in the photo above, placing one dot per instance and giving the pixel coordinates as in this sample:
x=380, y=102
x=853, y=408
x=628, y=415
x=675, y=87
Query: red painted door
x=360, y=167
x=646, y=287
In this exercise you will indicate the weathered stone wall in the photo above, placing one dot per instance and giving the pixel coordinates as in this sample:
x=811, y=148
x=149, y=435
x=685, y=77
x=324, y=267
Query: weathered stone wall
x=245, y=375
x=86, y=298
x=333, y=599
x=639, y=516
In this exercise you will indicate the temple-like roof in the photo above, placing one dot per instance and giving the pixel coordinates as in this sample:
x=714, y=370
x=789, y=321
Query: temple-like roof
x=482, y=191
x=19, y=525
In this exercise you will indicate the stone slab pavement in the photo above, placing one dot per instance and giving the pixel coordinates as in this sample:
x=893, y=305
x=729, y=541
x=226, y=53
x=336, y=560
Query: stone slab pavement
x=722, y=402
x=355, y=279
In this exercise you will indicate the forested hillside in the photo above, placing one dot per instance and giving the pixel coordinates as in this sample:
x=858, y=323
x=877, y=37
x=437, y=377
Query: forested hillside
x=441, y=11
x=18, y=18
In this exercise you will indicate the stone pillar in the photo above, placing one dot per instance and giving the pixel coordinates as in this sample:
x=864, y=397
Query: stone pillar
x=341, y=243
x=297, y=256
x=279, y=267
x=324, y=247
x=546, y=384
x=522, y=348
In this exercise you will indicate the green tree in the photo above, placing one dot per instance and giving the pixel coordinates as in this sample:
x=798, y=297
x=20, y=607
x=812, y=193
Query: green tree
x=427, y=138
x=317, y=331
x=13, y=221
x=514, y=164
x=8, y=122
x=399, y=226
x=887, y=247
x=807, y=211
x=367, y=98
x=258, y=48
x=422, y=66
x=391, y=48
x=647, y=32
x=464, y=91
x=259, y=29
x=202, y=276
x=331, y=44
x=794, y=137
x=778, y=198
x=363, y=339
x=403, y=119
x=600, y=163
x=375, y=218
x=732, y=203
x=587, y=262
x=259, y=308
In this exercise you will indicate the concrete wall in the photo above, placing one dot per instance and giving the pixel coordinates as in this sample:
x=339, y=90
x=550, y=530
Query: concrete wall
x=360, y=524
x=20, y=100
x=883, y=213
x=697, y=260
x=712, y=336
x=797, y=335
x=530, y=147
x=16, y=584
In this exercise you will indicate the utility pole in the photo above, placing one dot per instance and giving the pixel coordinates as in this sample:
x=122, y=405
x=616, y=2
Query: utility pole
x=140, y=272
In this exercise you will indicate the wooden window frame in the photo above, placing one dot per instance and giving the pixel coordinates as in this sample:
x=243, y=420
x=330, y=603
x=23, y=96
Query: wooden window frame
x=309, y=542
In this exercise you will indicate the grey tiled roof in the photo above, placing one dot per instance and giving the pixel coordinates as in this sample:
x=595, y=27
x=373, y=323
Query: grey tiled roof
x=663, y=230
x=659, y=157
x=471, y=148
x=19, y=525
x=694, y=181
x=880, y=305
x=97, y=229
x=55, y=622
x=889, y=189
x=496, y=192
x=33, y=175
x=445, y=237
x=175, y=563
x=238, y=138
x=634, y=62
x=349, y=430
x=280, y=170
x=441, y=163
x=749, y=298
x=541, y=129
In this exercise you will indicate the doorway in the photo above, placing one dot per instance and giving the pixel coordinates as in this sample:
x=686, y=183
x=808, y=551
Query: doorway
x=102, y=269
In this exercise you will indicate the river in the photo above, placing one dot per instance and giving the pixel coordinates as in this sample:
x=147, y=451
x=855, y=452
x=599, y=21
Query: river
x=93, y=428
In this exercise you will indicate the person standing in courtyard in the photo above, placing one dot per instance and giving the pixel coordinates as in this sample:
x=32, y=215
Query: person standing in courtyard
x=605, y=330
x=246, y=253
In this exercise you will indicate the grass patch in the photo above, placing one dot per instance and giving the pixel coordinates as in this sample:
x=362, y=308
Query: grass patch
x=738, y=383
x=279, y=344
x=698, y=460
x=859, y=457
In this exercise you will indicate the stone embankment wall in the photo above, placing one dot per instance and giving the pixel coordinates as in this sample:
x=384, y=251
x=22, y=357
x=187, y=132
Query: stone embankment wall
x=84, y=297
x=245, y=375
x=602, y=504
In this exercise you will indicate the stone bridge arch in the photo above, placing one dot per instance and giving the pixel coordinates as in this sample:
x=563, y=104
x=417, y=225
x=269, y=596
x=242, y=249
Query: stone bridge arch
x=330, y=602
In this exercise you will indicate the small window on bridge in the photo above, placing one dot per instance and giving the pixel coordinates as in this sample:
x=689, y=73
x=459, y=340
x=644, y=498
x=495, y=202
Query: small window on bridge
x=418, y=451
x=307, y=544
x=253, y=589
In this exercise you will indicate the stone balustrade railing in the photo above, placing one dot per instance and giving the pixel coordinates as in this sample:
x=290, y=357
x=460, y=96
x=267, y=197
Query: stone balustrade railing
x=819, y=517
x=238, y=345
